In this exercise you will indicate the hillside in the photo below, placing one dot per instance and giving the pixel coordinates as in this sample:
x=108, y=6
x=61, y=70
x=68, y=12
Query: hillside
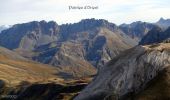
x=156, y=35
x=15, y=69
x=17, y=66
x=25, y=79
x=129, y=73
x=137, y=30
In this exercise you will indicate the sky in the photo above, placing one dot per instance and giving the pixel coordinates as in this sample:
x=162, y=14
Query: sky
x=116, y=11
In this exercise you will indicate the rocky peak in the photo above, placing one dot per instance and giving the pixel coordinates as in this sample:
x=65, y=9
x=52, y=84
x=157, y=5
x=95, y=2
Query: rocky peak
x=88, y=24
x=163, y=23
x=96, y=22
x=161, y=19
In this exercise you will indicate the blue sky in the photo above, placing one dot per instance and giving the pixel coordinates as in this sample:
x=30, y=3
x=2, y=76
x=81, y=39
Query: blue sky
x=116, y=11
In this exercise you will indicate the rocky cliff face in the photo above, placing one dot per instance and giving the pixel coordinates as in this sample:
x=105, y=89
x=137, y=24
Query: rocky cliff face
x=156, y=35
x=128, y=73
x=89, y=43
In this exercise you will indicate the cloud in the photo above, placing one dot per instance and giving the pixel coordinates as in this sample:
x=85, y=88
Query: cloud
x=117, y=11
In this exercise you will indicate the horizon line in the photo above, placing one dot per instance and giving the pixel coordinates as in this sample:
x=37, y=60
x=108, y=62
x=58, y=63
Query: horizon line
x=81, y=20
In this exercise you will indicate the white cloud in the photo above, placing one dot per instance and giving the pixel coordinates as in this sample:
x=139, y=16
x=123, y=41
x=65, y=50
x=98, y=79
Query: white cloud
x=117, y=11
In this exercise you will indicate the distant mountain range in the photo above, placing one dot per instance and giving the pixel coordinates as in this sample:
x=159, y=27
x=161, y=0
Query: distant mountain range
x=89, y=42
x=46, y=61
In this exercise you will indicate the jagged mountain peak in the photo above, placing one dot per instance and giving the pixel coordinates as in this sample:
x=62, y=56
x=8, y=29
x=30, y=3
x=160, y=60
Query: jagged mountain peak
x=161, y=20
x=93, y=20
x=163, y=23
x=89, y=24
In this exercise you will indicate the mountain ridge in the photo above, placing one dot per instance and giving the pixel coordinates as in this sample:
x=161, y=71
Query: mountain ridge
x=138, y=29
x=92, y=35
x=156, y=35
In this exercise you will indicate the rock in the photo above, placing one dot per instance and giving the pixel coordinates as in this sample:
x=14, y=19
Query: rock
x=156, y=35
x=128, y=73
x=91, y=42
x=137, y=30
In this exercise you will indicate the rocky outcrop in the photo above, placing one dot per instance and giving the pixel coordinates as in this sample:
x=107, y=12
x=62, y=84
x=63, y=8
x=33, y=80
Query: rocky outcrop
x=128, y=73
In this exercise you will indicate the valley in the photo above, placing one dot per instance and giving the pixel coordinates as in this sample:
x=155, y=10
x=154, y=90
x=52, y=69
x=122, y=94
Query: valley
x=93, y=59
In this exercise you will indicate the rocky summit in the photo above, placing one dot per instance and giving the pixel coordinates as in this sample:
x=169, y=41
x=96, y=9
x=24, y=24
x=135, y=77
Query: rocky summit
x=129, y=73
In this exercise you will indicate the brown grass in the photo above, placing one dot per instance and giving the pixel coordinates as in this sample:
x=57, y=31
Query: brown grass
x=158, y=89
x=15, y=71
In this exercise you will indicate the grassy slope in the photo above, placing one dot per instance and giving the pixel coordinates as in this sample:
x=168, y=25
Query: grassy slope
x=18, y=72
x=159, y=87
x=14, y=71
